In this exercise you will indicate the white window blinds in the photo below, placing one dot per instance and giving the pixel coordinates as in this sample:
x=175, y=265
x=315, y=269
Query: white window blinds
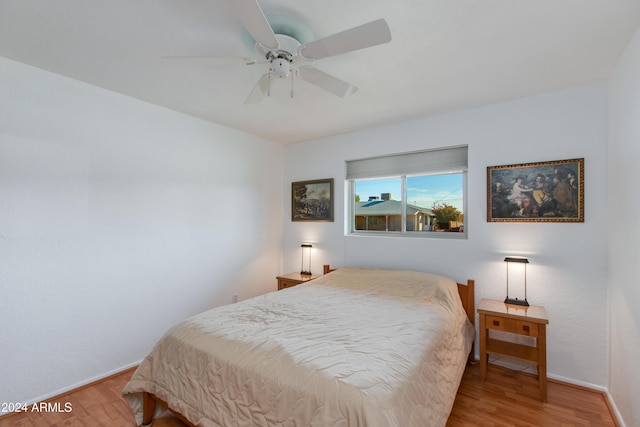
x=452, y=159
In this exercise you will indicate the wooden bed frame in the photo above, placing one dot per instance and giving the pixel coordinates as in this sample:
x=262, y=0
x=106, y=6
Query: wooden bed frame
x=467, y=296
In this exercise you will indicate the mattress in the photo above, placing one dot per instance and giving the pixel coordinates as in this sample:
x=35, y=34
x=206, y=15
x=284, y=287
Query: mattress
x=356, y=347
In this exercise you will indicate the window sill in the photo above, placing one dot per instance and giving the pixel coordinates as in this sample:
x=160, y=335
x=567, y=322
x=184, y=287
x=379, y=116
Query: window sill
x=448, y=235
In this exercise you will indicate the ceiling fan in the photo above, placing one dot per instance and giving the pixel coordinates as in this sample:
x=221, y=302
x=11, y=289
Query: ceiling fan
x=287, y=57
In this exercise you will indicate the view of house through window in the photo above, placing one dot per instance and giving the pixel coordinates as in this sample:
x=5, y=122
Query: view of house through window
x=432, y=201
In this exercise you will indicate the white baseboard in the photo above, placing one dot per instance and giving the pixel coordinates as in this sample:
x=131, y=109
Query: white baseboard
x=584, y=384
x=76, y=385
x=614, y=409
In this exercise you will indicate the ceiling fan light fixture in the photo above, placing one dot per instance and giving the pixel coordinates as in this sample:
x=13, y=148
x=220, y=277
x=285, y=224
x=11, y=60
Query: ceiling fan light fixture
x=280, y=68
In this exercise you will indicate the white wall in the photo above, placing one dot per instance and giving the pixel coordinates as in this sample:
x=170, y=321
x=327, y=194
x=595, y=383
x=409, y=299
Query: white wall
x=567, y=273
x=118, y=219
x=624, y=232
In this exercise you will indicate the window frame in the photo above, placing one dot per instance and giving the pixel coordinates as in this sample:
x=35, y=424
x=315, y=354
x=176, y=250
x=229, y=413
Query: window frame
x=350, y=226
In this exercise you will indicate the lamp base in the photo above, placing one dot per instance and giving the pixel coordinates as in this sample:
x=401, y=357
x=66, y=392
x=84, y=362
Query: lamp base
x=516, y=301
x=305, y=273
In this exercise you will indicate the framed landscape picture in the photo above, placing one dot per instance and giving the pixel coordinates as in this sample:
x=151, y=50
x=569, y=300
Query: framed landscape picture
x=312, y=200
x=536, y=192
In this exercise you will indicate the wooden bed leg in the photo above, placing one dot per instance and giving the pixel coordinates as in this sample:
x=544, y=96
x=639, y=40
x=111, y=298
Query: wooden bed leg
x=149, y=407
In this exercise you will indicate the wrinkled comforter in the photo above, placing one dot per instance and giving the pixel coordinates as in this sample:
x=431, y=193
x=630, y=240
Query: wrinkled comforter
x=356, y=347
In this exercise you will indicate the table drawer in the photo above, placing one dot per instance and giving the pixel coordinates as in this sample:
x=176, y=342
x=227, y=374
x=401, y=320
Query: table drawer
x=514, y=326
x=285, y=283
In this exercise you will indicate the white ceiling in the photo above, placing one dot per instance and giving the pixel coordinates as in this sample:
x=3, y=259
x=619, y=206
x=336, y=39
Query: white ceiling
x=445, y=55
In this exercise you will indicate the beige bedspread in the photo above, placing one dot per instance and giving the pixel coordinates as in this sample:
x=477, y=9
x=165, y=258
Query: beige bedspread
x=356, y=347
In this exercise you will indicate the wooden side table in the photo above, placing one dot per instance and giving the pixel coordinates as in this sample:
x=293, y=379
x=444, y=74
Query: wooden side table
x=292, y=279
x=524, y=321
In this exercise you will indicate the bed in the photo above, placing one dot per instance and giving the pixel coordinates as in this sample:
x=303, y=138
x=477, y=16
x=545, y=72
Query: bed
x=355, y=347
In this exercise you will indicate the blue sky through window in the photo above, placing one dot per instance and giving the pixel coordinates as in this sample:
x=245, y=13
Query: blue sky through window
x=423, y=191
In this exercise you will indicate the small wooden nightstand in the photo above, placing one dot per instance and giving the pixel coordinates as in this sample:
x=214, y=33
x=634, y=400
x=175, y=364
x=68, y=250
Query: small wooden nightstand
x=525, y=321
x=292, y=279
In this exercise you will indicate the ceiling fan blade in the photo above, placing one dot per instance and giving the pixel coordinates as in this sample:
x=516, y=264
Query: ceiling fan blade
x=326, y=81
x=254, y=21
x=214, y=60
x=366, y=35
x=259, y=90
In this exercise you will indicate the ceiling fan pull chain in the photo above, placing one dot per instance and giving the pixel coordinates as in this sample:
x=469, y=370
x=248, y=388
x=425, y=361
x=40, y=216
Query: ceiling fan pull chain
x=269, y=85
x=291, y=85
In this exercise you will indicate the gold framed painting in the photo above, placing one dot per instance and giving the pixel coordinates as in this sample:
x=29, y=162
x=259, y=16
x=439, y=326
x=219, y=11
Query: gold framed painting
x=536, y=192
x=312, y=200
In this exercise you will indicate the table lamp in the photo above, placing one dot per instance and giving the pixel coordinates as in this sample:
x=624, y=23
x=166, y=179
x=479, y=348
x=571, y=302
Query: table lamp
x=305, y=265
x=516, y=301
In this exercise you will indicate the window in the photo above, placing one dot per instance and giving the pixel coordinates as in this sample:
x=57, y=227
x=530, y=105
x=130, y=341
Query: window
x=416, y=193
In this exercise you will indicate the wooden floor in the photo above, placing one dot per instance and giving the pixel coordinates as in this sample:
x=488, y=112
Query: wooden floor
x=509, y=398
x=506, y=398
